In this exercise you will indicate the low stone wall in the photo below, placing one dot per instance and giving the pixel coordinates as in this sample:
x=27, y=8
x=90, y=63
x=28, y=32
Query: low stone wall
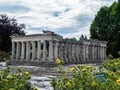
x=32, y=63
x=46, y=64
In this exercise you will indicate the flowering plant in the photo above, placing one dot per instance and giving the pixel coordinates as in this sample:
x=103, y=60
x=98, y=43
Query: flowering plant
x=14, y=81
x=83, y=78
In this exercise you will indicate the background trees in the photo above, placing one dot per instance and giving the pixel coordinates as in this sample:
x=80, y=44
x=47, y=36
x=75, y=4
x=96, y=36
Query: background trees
x=8, y=27
x=106, y=26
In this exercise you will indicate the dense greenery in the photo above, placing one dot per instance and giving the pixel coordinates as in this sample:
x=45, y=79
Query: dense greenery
x=84, y=78
x=15, y=81
x=112, y=65
x=4, y=56
x=106, y=26
x=8, y=27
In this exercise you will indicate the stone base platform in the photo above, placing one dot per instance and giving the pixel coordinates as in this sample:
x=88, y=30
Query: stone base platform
x=47, y=64
x=32, y=63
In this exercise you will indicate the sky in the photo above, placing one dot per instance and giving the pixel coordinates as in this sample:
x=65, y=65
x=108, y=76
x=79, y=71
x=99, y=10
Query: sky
x=69, y=18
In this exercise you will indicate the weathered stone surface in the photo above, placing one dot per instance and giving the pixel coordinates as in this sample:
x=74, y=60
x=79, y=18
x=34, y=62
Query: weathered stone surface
x=45, y=48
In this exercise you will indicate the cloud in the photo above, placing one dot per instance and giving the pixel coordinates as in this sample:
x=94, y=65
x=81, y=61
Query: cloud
x=83, y=20
x=70, y=18
x=67, y=30
x=11, y=8
x=56, y=13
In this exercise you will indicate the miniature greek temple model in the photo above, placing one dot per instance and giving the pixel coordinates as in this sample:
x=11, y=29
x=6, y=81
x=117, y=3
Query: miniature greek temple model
x=48, y=46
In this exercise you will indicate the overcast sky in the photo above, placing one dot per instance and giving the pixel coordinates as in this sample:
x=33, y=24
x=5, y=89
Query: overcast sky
x=69, y=18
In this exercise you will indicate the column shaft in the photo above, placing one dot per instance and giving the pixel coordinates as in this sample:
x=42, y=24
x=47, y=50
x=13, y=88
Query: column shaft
x=38, y=50
x=56, y=50
x=13, y=50
x=51, y=51
x=77, y=51
x=28, y=50
x=60, y=51
x=93, y=51
x=44, y=50
x=84, y=52
x=66, y=52
x=18, y=51
x=70, y=52
x=33, y=50
x=104, y=52
x=23, y=51
x=73, y=49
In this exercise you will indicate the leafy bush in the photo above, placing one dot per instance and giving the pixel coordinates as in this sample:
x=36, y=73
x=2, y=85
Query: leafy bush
x=112, y=65
x=4, y=56
x=84, y=78
x=14, y=81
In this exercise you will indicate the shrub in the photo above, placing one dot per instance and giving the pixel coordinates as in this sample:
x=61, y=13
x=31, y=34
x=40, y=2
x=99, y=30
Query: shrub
x=112, y=65
x=4, y=56
x=14, y=81
x=85, y=78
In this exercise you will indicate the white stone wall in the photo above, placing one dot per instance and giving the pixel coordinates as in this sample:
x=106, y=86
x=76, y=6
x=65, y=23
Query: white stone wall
x=47, y=47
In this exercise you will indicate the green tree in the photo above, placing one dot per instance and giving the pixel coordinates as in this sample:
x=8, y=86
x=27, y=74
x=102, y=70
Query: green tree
x=82, y=37
x=8, y=27
x=106, y=26
x=72, y=39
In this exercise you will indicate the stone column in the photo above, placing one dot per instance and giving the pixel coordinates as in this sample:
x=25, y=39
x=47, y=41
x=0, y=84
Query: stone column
x=44, y=50
x=33, y=50
x=91, y=54
x=28, y=50
x=66, y=52
x=13, y=50
x=84, y=52
x=96, y=53
x=23, y=50
x=80, y=52
x=87, y=54
x=74, y=52
x=73, y=49
x=100, y=53
x=93, y=51
x=18, y=51
x=60, y=50
x=105, y=52
x=51, y=51
x=38, y=50
x=56, y=50
x=62, y=53
x=70, y=51
x=77, y=51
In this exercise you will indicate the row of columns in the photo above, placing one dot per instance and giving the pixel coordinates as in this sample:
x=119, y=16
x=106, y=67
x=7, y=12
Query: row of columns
x=77, y=52
x=34, y=50
x=50, y=50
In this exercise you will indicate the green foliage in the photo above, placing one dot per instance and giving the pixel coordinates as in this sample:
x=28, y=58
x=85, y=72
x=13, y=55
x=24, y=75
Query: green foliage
x=8, y=27
x=83, y=78
x=72, y=39
x=4, y=56
x=82, y=37
x=112, y=65
x=106, y=26
x=14, y=81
